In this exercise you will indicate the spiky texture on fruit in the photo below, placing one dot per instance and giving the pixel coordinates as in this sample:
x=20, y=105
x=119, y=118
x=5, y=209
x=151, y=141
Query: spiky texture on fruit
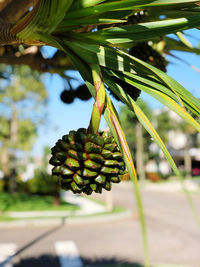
x=87, y=162
x=67, y=96
x=83, y=93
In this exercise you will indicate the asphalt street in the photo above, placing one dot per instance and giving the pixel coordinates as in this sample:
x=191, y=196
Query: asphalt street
x=173, y=234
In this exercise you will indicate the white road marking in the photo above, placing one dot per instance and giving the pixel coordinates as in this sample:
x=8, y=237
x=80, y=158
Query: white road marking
x=68, y=254
x=6, y=253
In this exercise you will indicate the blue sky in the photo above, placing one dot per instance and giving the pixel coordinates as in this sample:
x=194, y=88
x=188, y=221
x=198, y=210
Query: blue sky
x=62, y=118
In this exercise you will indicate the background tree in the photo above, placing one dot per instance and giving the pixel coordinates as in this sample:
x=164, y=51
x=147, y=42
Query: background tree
x=191, y=135
x=163, y=123
x=137, y=138
x=44, y=183
x=22, y=97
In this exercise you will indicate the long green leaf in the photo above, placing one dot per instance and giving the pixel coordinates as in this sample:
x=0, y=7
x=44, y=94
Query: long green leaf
x=152, y=83
x=67, y=24
x=118, y=90
x=172, y=44
x=113, y=122
x=85, y=3
x=166, y=100
x=144, y=31
x=120, y=61
x=129, y=4
x=111, y=118
x=44, y=18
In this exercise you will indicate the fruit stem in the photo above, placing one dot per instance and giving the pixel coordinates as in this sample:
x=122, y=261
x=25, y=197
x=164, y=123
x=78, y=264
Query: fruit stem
x=99, y=100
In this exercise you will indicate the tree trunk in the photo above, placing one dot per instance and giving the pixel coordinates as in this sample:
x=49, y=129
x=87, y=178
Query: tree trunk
x=4, y=159
x=187, y=158
x=140, y=152
x=13, y=141
x=56, y=200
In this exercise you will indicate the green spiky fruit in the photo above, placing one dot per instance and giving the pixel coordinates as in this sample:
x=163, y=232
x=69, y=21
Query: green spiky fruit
x=87, y=162
x=67, y=96
x=83, y=93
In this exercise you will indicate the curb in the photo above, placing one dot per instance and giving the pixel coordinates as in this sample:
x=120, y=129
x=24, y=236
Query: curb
x=70, y=221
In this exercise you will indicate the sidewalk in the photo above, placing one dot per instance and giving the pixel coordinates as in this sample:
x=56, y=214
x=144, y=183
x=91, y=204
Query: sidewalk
x=90, y=212
x=173, y=186
x=87, y=207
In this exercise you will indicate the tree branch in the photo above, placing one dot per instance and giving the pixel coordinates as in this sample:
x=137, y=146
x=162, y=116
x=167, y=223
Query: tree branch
x=14, y=10
x=4, y=3
x=5, y=36
x=35, y=60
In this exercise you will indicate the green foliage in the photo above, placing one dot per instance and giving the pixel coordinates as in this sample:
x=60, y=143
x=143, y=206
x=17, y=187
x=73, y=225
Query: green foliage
x=22, y=101
x=27, y=202
x=164, y=124
x=27, y=134
x=1, y=186
x=24, y=86
x=43, y=184
x=22, y=98
x=129, y=120
x=4, y=128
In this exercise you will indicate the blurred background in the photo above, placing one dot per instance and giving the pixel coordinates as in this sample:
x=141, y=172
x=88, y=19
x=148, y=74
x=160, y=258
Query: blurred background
x=39, y=224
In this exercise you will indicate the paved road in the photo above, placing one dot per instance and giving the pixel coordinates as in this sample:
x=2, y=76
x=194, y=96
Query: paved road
x=172, y=232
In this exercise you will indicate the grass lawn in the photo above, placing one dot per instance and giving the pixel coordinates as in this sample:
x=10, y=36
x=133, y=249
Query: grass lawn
x=25, y=202
x=20, y=202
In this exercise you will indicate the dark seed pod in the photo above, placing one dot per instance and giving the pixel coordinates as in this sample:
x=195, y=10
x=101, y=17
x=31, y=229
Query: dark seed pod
x=132, y=91
x=145, y=52
x=138, y=17
x=83, y=93
x=87, y=162
x=67, y=96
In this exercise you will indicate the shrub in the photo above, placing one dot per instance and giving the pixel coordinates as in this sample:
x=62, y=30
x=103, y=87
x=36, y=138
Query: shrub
x=43, y=184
